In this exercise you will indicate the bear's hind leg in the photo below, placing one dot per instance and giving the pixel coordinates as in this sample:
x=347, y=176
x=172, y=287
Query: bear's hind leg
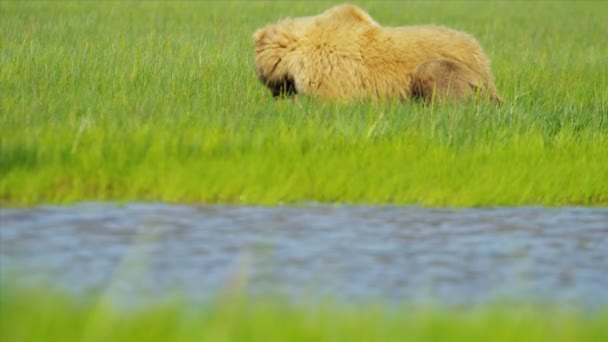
x=443, y=80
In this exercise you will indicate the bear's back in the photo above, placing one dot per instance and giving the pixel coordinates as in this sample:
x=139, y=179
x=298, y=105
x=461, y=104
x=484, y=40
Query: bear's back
x=420, y=43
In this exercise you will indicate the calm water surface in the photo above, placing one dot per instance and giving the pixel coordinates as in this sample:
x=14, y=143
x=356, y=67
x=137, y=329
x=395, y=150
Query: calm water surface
x=352, y=253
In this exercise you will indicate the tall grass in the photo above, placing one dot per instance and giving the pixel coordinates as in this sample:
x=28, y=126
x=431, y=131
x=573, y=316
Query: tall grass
x=159, y=101
x=34, y=316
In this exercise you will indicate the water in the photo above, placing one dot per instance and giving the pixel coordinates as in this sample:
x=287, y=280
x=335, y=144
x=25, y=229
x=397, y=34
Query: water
x=351, y=253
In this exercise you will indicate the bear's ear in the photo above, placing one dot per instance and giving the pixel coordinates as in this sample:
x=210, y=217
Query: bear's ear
x=350, y=13
x=259, y=34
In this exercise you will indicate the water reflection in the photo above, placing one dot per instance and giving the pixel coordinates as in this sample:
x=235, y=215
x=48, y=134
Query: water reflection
x=353, y=253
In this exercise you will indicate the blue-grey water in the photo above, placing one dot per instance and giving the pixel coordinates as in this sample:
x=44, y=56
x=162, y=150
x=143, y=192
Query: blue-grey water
x=351, y=253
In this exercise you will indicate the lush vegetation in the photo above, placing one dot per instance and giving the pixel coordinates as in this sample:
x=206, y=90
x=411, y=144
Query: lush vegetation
x=159, y=101
x=35, y=316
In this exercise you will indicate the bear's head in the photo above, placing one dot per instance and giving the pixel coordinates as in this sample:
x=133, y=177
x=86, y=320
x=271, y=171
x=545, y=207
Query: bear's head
x=282, y=48
x=275, y=49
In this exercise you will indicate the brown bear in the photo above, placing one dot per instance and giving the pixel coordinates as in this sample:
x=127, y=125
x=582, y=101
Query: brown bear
x=343, y=53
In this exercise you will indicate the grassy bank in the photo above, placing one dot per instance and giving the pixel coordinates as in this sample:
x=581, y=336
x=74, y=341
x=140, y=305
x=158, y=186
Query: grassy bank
x=159, y=101
x=32, y=316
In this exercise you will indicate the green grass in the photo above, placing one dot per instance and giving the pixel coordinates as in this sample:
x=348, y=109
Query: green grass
x=40, y=316
x=159, y=101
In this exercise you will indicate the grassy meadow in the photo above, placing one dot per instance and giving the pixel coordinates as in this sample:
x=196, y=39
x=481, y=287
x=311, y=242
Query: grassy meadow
x=158, y=101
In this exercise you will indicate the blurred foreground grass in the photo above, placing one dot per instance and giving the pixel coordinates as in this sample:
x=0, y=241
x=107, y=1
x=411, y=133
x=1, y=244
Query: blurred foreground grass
x=158, y=101
x=40, y=316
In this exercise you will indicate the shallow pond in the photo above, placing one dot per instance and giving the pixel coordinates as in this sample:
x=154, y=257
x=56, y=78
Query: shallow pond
x=352, y=253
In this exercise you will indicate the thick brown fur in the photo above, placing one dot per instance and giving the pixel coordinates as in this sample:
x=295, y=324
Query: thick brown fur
x=344, y=54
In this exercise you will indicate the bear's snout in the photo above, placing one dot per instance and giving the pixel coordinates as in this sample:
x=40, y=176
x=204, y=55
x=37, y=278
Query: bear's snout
x=285, y=87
